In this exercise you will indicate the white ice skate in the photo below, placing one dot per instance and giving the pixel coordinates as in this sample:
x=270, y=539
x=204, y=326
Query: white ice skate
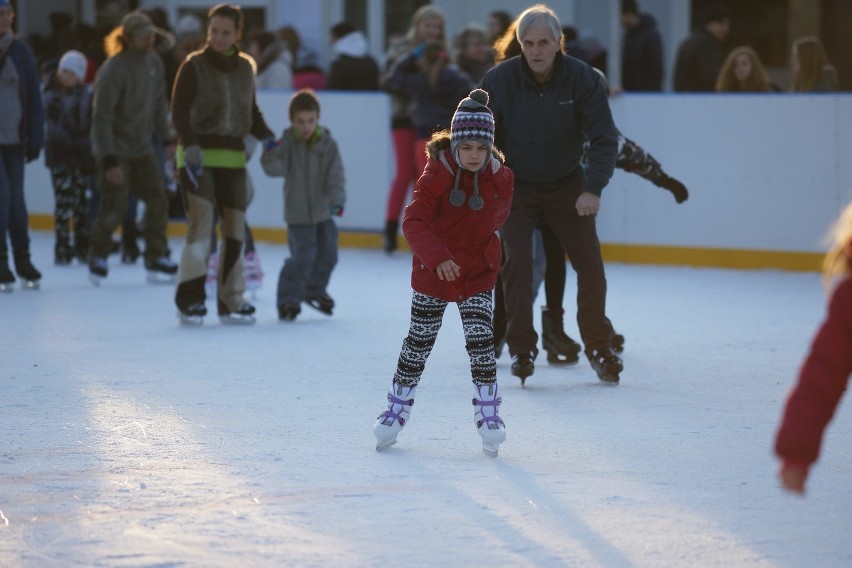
x=486, y=415
x=394, y=419
x=252, y=273
x=210, y=279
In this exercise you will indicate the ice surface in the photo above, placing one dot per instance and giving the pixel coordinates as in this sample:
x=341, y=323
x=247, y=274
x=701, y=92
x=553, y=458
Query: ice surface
x=127, y=440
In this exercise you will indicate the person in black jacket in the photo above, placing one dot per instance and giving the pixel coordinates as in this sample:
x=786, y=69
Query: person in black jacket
x=545, y=106
x=353, y=69
x=642, y=55
x=701, y=55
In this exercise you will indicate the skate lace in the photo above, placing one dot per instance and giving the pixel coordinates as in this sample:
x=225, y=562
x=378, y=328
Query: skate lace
x=495, y=403
x=397, y=416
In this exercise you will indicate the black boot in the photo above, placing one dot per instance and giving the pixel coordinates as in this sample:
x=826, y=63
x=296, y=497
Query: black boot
x=561, y=349
x=606, y=364
x=7, y=279
x=678, y=189
x=25, y=269
x=523, y=366
x=391, y=228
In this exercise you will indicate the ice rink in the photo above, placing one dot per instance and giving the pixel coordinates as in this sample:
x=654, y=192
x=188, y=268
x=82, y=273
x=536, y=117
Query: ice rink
x=126, y=440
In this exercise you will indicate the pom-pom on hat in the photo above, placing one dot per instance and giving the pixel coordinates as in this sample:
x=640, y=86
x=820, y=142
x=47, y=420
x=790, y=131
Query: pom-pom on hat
x=472, y=121
x=74, y=62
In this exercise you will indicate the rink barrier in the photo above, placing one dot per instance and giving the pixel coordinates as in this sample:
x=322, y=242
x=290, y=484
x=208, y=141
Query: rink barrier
x=767, y=174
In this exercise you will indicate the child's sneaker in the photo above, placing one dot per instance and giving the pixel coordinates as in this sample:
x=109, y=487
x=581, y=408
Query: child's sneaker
x=252, y=272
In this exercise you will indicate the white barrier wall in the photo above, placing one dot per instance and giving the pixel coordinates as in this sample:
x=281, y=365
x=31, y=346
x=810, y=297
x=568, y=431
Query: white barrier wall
x=764, y=172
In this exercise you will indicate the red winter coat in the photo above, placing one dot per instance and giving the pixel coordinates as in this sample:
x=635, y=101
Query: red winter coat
x=437, y=231
x=822, y=380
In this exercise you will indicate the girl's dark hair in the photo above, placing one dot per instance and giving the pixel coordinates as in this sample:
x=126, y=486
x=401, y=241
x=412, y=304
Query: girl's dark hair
x=228, y=11
x=303, y=100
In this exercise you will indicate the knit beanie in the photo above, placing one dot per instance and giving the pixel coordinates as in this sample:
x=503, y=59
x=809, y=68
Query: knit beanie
x=75, y=62
x=472, y=121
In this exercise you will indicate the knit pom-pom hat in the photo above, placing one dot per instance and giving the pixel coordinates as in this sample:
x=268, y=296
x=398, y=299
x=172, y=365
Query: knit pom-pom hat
x=472, y=121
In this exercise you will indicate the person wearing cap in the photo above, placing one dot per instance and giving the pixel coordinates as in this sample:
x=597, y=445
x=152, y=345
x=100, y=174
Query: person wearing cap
x=459, y=204
x=700, y=57
x=21, y=141
x=68, y=154
x=546, y=106
x=214, y=108
x=129, y=108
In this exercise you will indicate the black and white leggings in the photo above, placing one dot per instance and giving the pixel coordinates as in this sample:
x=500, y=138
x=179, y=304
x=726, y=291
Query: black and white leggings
x=427, y=313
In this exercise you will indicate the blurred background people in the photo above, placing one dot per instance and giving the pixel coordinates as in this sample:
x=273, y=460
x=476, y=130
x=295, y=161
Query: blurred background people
x=700, y=56
x=812, y=72
x=274, y=61
x=642, y=52
x=742, y=72
x=353, y=68
x=474, y=54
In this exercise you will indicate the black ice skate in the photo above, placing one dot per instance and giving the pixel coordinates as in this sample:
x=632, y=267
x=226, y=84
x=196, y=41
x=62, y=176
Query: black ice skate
x=288, y=312
x=27, y=272
x=242, y=316
x=162, y=270
x=7, y=279
x=606, y=364
x=97, y=270
x=323, y=303
x=129, y=253
x=561, y=349
x=616, y=340
x=522, y=365
x=192, y=315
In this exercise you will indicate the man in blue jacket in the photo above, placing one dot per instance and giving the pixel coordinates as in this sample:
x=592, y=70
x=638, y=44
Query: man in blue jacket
x=545, y=104
x=21, y=141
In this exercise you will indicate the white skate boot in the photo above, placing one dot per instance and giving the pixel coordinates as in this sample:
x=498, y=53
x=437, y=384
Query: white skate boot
x=394, y=419
x=252, y=273
x=486, y=415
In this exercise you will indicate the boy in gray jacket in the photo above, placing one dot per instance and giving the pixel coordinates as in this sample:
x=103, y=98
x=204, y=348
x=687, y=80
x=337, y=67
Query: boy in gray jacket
x=308, y=158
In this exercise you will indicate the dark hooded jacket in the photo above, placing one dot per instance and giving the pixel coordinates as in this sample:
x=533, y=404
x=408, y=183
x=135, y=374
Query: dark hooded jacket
x=437, y=231
x=642, y=57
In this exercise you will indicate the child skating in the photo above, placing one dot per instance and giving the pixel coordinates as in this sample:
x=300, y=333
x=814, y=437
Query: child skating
x=460, y=202
x=314, y=191
x=825, y=373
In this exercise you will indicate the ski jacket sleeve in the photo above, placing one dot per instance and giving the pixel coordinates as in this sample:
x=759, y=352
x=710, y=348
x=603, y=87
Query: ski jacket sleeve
x=822, y=381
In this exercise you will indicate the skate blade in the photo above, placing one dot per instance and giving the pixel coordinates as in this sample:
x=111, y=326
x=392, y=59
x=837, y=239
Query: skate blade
x=95, y=279
x=562, y=360
x=385, y=444
x=191, y=321
x=6, y=288
x=609, y=380
x=234, y=319
x=490, y=450
x=155, y=277
x=30, y=285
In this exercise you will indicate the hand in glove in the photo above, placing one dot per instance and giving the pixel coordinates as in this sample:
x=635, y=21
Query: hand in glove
x=193, y=157
x=32, y=154
x=336, y=210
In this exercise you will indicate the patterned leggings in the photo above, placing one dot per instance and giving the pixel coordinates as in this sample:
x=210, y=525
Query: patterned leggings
x=71, y=190
x=427, y=313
